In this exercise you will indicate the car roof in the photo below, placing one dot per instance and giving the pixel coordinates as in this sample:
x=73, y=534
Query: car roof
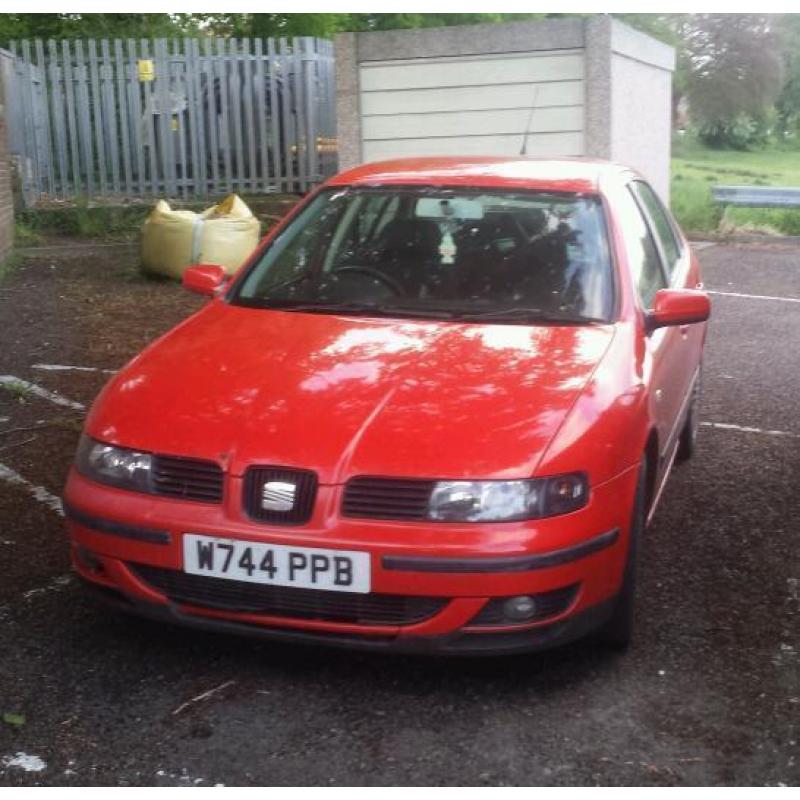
x=582, y=175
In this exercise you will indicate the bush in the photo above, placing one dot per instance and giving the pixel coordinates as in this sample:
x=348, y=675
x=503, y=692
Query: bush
x=25, y=235
x=743, y=132
x=81, y=219
x=776, y=220
x=693, y=206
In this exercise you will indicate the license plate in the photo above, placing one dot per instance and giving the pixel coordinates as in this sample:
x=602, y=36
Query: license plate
x=276, y=564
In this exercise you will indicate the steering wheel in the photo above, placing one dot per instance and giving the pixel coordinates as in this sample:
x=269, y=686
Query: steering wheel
x=376, y=274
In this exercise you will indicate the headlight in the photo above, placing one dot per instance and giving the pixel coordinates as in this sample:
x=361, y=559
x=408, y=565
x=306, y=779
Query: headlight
x=116, y=466
x=506, y=501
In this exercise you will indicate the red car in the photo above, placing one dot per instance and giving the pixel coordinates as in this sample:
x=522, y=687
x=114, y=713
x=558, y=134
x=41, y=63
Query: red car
x=433, y=412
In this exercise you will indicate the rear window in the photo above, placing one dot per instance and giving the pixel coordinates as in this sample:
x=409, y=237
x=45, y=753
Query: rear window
x=424, y=251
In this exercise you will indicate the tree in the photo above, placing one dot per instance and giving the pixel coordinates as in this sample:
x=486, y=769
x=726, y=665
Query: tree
x=735, y=74
x=76, y=26
x=788, y=103
x=326, y=25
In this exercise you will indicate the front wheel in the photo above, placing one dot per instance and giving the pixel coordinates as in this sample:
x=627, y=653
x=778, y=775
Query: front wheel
x=618, y=629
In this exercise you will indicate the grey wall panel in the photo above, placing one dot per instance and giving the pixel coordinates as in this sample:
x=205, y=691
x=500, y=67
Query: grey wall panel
x=539, y=144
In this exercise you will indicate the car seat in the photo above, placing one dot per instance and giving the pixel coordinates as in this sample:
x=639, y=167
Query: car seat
x=408, y=251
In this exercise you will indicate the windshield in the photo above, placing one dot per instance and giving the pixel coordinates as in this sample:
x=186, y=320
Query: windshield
x=399, y=251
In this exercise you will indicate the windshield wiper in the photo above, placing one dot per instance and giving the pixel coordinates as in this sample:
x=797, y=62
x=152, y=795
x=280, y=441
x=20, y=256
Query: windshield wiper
x=513, y=314
x=520, y=314
x=357, y=308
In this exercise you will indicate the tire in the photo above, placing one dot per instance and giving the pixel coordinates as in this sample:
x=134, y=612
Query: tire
x=617, y=631
x=687, y=443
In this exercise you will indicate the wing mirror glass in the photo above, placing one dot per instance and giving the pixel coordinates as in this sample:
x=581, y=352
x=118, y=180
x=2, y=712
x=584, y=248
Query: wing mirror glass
x=678, y=307
x=204, y=279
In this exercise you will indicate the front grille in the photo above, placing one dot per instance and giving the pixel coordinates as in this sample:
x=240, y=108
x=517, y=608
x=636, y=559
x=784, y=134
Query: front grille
x=548, y=604
x=280, y=601
x=188, y=478
x=304, y=481
x=387, y=498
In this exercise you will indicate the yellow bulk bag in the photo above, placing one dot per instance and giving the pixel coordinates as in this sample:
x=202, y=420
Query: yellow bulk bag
x=224, y=234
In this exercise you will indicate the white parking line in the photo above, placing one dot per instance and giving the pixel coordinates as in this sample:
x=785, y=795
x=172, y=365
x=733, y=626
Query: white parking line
x=54, y=504
x=27, y=387
x=55, y=585
x=755, y=296
x=727, y=426
x=39, y=492
x=70, y=368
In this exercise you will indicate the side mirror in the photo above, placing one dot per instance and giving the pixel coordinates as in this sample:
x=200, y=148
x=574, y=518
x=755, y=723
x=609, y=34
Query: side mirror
x=677, y=307
x=204, y=279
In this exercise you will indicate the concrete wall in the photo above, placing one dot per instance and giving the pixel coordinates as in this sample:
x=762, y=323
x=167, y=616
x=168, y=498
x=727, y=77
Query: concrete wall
x=601, y=89
x=6, y=200
x=474, y=104
x=460, y=90
x=629, y=99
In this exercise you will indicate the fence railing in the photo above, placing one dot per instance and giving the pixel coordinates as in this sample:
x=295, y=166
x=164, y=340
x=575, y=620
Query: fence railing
x=180, y=118
x=757, y=196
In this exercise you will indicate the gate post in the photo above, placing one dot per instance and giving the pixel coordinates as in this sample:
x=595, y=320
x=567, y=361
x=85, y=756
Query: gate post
x=6, y=199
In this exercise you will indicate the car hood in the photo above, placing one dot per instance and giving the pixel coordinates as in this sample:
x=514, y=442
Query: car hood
x=346, y=395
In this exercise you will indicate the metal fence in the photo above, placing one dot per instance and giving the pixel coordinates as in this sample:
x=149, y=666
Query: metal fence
x=757, y=196
x=181, y=118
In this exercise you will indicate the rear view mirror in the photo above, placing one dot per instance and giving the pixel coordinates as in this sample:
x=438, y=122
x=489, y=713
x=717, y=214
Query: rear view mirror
x=678, y=307
x=204, y=279
x=447, y=208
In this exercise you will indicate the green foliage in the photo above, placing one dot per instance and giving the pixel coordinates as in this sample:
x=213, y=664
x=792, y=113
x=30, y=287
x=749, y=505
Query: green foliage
x=735, y=76
x=19, y=389
x=25, y=235
x=741, y=132
x=691, y=203
x=14, y=720
x=788, y=103
x=769, y=220
x=70, y=26
x=75, y=26
x=326, y=25
x=83, y=220
x=9, y=265
x=123, y=222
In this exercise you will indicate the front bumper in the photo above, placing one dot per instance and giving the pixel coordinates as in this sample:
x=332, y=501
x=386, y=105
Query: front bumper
x=468, y=567
x=459, y=643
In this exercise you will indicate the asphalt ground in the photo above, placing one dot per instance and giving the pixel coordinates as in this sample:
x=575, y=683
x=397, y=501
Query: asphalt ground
x=708, y=694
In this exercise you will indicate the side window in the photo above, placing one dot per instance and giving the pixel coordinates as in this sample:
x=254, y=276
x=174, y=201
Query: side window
x=663, y=229
x=645, y=263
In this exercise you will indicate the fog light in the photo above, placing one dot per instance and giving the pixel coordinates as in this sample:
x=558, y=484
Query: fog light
x=520, y=608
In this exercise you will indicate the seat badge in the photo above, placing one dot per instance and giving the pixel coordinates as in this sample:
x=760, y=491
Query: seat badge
x=278, y=496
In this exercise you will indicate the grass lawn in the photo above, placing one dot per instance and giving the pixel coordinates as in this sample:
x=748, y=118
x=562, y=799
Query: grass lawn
x=696, y=168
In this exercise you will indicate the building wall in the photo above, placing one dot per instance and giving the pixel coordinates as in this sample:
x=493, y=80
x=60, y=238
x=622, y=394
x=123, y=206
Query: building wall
x=629, y=98
x=641, y=104
x=460, y=90
x=471, y=105
x=6, y=200
x=599, y=88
